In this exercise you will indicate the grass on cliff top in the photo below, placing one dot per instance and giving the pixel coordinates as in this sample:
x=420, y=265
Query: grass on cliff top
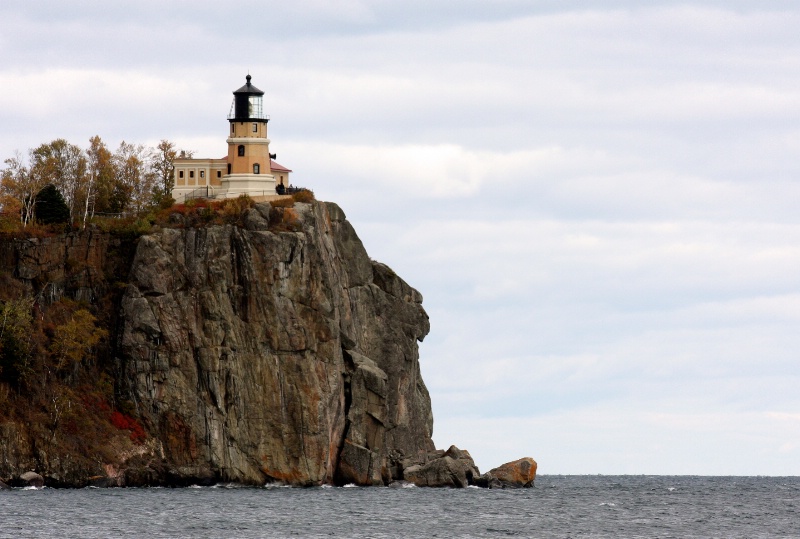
x=194, y=213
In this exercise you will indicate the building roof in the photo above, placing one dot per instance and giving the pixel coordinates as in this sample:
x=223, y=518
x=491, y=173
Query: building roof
x=280, y=168
x=249, y=88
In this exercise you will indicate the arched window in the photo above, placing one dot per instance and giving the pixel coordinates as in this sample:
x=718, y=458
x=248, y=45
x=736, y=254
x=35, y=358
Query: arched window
x=256, y=168
x=241, y=150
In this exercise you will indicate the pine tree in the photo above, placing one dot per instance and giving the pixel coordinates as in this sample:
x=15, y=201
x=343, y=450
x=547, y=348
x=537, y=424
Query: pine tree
x=50, y=206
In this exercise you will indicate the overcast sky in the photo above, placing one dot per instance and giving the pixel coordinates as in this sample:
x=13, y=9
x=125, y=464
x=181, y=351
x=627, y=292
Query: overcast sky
x=599, y=204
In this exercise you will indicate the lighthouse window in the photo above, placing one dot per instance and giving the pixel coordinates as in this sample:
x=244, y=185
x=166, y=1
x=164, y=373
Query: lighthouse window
x=256, y=169
x=241, y=150
x=255, y=106
x=255, y=128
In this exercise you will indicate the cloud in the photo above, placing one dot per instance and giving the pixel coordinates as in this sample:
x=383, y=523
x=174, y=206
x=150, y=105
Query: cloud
x=626, y=440
x=598, y=203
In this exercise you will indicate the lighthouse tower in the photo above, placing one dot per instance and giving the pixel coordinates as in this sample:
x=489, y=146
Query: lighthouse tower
x=248, y=146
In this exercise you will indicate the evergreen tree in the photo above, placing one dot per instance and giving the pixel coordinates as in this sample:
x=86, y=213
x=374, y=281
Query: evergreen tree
x=50, y=206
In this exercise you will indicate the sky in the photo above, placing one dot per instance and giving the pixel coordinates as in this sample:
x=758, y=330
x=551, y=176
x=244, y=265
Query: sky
x=598, y=200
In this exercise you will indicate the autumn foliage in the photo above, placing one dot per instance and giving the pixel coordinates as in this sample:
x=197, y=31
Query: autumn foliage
x=124, y=422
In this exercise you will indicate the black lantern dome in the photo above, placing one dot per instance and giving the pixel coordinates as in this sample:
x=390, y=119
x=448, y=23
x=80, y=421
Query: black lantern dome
x=248, y=104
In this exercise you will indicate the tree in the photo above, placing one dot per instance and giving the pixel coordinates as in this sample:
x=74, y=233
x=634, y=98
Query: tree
x=101, y=177
x=163, y=166
x=19, y=187
x=63, y=165
x=50, y=206
x=73, y=341
x=135, y=178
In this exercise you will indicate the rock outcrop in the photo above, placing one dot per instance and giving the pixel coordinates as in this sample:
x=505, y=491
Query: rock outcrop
x=451, y=468
x=455, y=468
x=517, y=474
x=32, y=479
x=258, y=356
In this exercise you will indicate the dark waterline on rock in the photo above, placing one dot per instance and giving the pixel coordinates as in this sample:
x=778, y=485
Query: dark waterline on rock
x=558, y=507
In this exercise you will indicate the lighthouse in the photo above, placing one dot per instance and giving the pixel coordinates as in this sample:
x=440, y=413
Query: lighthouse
x=247, y=169
x=248, y=145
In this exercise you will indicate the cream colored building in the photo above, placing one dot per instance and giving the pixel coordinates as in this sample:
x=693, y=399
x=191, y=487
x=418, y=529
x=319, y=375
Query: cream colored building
x=248, y=168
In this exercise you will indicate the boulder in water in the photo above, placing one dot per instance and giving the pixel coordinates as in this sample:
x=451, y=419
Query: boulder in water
x=451, y=468
x=516, y=474
x=32, y=479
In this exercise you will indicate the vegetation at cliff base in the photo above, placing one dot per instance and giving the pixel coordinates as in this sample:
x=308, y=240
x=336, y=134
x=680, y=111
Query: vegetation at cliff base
x=56, y=376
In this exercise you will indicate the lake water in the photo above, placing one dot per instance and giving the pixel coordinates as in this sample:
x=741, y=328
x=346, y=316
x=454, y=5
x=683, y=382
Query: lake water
x=558, y=506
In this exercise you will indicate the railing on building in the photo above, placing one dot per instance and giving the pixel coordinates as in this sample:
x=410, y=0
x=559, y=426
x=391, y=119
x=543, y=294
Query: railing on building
x=201, y=192
x=206, y=192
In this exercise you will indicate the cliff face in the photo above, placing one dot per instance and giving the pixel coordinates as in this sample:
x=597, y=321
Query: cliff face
x=247, y=355
x=261, y=356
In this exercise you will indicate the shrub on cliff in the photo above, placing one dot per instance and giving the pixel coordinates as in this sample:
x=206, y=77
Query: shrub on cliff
x=74, y=340
x=304, y=195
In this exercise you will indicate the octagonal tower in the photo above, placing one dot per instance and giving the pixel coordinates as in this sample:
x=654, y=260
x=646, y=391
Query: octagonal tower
x=248, y=145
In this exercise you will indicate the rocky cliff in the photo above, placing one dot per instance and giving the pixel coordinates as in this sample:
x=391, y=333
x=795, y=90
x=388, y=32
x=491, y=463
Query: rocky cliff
x=258, y=356
x=246, y=354
x=268, y=349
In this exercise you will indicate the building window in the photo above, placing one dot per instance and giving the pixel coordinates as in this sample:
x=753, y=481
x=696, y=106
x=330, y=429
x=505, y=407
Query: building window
x=233, y=129
x=191, y=173
x=256, y=169
x=219, y=174
x=202, y=173
x=180, y=174
x=255, y=127
x=241, y=150
x=229, y=168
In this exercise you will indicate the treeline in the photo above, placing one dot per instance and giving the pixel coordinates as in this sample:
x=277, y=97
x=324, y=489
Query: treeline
x=94, y=181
